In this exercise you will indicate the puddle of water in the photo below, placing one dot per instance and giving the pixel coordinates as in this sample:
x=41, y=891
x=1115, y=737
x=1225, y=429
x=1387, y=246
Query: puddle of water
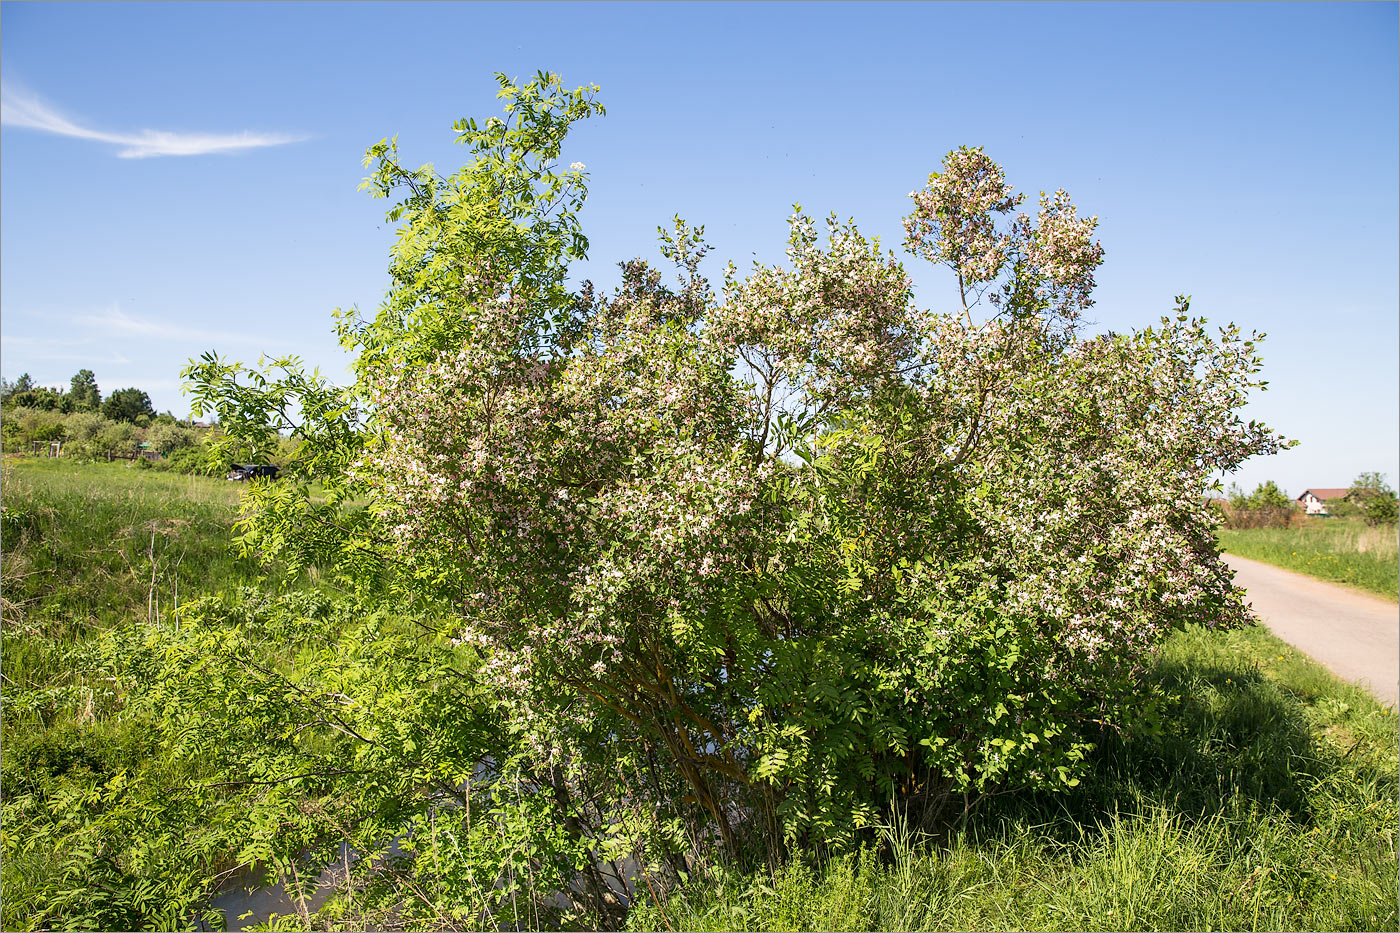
x=249, y=899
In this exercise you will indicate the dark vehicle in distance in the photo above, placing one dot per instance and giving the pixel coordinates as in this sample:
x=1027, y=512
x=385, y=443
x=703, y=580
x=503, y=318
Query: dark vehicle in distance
x=241, y=473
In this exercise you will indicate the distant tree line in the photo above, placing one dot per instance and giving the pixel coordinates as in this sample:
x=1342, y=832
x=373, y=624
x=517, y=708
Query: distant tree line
x=130, y=405
x=81, y=424
x=1369, y=498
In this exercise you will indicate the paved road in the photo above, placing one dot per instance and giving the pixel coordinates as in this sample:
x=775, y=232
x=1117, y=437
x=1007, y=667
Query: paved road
x=1354, y=635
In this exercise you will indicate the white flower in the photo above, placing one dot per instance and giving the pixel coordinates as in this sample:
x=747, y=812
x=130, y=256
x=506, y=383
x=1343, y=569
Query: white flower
x=577, y=166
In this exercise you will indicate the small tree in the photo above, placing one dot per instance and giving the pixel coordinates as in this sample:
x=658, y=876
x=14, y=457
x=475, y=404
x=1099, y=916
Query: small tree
x=1267, y=506
x=1374, y=499
x=82, y=429
x=129, y=405
x=1383, y=510
x=116, y=439
x=1368, y=486
x=83, y=394
x=1267, y=495
x=167, y=437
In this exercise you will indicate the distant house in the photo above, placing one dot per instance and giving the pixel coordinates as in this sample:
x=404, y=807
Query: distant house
x=1314, y=501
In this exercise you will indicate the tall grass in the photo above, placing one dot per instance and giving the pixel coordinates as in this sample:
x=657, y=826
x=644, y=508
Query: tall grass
x=87, y=546
x=1268, y=802
x=1340, y=550
x=98, y=543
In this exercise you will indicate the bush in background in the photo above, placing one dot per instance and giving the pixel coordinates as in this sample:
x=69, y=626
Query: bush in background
x=167, y=437
x=21, y=427
x=195, y=459
x=1267, y=507
x=1373, y=499
x=116, y=439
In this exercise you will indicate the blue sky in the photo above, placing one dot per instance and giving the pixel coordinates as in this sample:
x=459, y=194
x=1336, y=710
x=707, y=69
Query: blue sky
x=181, y=177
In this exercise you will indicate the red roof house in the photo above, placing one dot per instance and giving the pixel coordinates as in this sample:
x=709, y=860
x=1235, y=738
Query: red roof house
x=1314, y=501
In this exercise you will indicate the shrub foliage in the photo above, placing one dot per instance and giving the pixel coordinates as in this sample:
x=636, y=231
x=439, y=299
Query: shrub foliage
x=742, y=561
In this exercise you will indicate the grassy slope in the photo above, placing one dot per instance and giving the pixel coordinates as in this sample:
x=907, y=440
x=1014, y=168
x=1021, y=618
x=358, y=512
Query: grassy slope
x=1337, y=550
x=102, y=827
x=1268, y=803
x=86, y=546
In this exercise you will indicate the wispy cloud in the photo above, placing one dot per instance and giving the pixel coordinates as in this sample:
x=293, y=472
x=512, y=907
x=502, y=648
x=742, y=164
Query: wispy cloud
x=33, y=348
x=19, y=109
x=113, y=320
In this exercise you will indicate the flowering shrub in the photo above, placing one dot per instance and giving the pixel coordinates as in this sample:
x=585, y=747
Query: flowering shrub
x=744, y=563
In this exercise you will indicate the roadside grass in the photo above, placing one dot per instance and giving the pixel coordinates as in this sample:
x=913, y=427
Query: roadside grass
x=1266, y=802
x=1339, y=550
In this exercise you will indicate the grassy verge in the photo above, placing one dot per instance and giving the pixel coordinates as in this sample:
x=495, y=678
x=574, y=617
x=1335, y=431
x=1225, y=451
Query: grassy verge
x=88, y=547
x=1268, y=802
x=107, y=823
x=1338, y=550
